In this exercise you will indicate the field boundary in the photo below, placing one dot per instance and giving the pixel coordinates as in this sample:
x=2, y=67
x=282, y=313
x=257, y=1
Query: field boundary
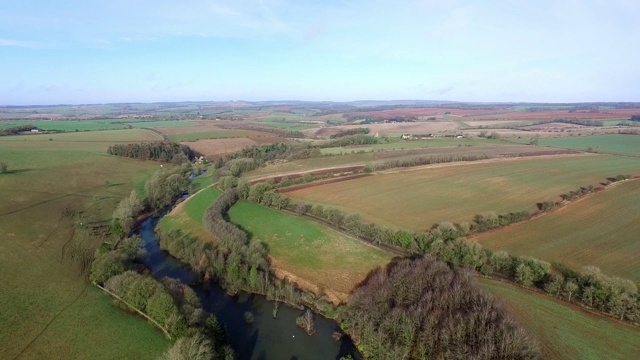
x=558, y=207
x=165, y=331
x=573, y=305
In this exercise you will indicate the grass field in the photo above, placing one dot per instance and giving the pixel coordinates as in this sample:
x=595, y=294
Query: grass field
x=417, y=199
x=612, y=144
x=65, y=125
x=309, y=251
x=566, y=332
x=54, y=191
x=600, y=230
x=160, y=123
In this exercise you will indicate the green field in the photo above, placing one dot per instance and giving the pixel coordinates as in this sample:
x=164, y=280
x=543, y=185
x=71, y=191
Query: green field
x=54, y=191
x=65, y=125
x=309, y=250
x=303, y=248
x=600, y=230
x=160, y=123
x=564, y=331
x=611, y=144
x=418, y=199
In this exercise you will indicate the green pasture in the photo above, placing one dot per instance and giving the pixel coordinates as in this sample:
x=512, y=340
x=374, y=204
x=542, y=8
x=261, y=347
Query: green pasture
x=611, y=144
x=564, y=331
x=417, y=199
x=308, y=249
x=53, y=193
x=600, y=230
x=160, y=123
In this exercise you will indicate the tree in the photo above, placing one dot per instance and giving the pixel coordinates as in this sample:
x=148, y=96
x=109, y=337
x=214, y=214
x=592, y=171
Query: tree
x=196, y=347
x=554, y=285
x=3, y=168
x=524, y=275
x=570, y=287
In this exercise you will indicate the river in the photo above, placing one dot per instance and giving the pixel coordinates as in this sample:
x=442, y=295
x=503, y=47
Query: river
x=265, y=338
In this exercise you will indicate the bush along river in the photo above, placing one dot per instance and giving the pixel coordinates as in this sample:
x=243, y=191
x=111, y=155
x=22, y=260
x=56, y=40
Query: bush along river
x=265, y=337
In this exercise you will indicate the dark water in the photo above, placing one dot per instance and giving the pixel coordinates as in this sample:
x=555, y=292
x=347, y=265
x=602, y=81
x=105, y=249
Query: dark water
x=266, y=338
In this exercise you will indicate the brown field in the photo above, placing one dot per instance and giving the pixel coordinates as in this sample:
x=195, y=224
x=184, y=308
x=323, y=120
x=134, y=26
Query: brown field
x=550, y=115
x=418, y=199
x=600, y=229
x=423, y=112
x=212, y=147
x=553, y=126
x=390, y=128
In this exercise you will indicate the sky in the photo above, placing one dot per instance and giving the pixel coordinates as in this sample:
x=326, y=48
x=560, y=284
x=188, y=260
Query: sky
x=80, y=52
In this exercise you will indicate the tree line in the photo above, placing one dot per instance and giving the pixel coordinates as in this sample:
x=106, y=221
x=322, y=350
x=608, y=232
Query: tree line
x=349, y=132
x=160, y=151
x=16, y=130
x=635, y=118
x=350, y=140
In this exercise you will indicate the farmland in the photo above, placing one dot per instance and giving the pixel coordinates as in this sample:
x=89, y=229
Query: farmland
x=65, y=125
x=611, y=144
x=313, y=255
x=54, y=192
x=600, y=230
x=418, y=199
x=564, y=331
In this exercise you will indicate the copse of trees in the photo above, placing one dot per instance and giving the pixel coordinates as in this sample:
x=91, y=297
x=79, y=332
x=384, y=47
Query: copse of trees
x=358, y=139
x=635, y=118
x=17, y=130
x=420, y=308
x=349, y=132
x=160, y=151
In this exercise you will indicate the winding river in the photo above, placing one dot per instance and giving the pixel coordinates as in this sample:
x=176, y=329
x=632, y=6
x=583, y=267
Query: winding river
x=265, y=338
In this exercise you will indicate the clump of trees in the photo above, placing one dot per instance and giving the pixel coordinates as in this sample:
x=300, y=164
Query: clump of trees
x=113, y=258
x=161, y=190
x=17, y=130
x=160, y=151
x=635, y=118
x=349, y=132
x=420, y=308
x=489, y=221
x=358, y=139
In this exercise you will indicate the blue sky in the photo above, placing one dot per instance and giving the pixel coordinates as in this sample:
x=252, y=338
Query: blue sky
x=54, y=52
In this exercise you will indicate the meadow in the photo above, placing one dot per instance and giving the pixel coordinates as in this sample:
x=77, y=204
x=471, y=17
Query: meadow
x=312, y=254
x=308, y=250
x=564, y=331
x=611, y=144
x=54, y=193
x=600, y=230
x=419, y=198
